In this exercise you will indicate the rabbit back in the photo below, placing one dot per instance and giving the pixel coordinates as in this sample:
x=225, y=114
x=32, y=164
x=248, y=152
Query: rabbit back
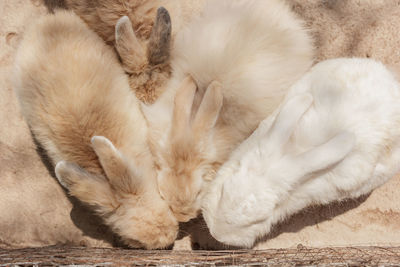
x=77, y=101
x=255, y=49
x=71, y=87
x=360, y=96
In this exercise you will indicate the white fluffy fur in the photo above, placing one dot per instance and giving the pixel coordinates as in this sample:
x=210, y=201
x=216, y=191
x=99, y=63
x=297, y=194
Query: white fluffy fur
x=287, y=164
x=256, y=50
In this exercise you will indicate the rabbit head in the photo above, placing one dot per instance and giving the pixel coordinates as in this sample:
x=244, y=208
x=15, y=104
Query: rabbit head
x=126, y=197
x=189, y=157
x=250, y=190
x=147, y=64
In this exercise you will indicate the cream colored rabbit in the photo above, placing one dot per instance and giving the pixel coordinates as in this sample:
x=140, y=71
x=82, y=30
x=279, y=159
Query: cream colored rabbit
x=72, y=92
x=337, y=136
x=254, y=50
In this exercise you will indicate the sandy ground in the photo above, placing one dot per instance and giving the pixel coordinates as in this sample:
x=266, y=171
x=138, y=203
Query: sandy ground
x=35, y=211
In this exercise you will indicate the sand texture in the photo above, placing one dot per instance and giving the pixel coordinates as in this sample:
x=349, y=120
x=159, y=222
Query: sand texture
x=35, y=210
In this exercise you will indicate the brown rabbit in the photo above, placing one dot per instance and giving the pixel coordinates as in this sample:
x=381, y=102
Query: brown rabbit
x=72, y=92
x=142, y=42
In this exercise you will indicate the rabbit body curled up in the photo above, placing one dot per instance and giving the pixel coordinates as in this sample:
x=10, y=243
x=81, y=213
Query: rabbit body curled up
x=288, y=162
x=242, y=56
x=71, y=87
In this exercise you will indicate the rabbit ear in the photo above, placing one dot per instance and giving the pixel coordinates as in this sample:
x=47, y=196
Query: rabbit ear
x=323, y=156
x=121, y=175
x=209, y=109
x=183, y=107
x=89, y=188
x=158, y=49
x=129, y=49
x=287, y=119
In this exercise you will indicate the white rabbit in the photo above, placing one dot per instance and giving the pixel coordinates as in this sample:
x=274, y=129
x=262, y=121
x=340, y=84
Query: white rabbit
x=287, y=163
x=254, y=51
x=71, y=87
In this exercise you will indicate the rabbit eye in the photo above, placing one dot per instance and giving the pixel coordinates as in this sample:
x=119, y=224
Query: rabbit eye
x=157, y=166
x=161, y=194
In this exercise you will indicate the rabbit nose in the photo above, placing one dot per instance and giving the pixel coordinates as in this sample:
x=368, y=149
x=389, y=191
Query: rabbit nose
x=182, y=217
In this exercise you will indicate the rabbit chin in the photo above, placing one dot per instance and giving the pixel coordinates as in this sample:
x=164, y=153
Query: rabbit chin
x=184, y=213
x=185, y=217
x=231, y=228
x=234, y=234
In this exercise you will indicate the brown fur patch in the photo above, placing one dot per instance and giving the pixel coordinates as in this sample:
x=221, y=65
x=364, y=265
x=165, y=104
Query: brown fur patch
x=52, y=5
x=148, y=70
x=149, y=83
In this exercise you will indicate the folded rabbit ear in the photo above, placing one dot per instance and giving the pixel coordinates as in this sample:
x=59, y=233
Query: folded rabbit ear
x=131, y=52
x=121, y=175
x=158, y=49
x=91, y=189
x=323, y=156
x=183, y=107
x=209, y=109
x=287, y=119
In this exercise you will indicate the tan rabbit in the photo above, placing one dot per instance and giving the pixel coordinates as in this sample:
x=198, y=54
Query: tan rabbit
x=73, y=91
x=254, y=51
x=144, y=44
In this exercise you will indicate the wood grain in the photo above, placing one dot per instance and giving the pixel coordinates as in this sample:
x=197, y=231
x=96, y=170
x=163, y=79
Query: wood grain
x=301, y=256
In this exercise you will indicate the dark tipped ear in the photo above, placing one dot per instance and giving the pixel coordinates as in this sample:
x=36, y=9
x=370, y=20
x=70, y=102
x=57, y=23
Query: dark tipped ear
x=131, y=52
x=158, y=49
x=208, y=112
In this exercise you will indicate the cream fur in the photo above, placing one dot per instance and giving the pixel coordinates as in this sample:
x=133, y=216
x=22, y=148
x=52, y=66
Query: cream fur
x=287, y=163
x=71, y=87
x=256, y=50
x=43, y=215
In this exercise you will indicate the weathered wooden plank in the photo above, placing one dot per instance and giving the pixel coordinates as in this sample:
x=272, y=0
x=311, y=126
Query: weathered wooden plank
x=302, y=256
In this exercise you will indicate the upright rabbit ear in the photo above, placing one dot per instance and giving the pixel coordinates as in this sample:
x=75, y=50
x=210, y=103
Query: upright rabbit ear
x=209, y=109
x=92, y=189
x=323, y=156
x=131, y=52
x=120, y=173
x=158, y=49
x=183, y=107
